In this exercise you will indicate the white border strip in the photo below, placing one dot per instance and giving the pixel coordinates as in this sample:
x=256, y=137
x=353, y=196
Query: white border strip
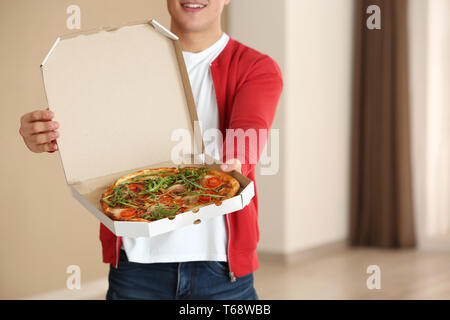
x=50, y=52
x=163, y=30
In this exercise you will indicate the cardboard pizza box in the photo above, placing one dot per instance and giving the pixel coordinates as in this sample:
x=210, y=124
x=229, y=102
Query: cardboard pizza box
x=119, y=93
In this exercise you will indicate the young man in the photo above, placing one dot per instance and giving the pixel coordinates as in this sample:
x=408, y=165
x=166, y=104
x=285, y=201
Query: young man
x=234, y=87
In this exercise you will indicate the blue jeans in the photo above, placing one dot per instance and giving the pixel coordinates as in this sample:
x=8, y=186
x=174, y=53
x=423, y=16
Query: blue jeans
x=196, y=280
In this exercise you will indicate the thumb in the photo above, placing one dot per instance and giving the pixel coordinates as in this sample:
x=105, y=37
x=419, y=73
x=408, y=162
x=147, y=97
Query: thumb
x=225, y=167
x=231, y=165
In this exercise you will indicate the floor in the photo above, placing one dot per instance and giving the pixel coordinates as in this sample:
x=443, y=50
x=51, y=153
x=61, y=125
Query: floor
x=342, y=274
x=405, y=274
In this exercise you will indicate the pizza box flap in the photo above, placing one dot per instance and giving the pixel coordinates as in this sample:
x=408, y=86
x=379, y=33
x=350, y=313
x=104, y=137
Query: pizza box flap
x=119, y=94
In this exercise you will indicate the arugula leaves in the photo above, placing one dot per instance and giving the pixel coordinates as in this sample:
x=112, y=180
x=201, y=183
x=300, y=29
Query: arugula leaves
x=154, y=184
x=118, y=197
x=161, y=212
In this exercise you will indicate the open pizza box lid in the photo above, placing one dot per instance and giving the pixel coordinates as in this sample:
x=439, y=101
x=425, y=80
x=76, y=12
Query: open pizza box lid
x=120, y=93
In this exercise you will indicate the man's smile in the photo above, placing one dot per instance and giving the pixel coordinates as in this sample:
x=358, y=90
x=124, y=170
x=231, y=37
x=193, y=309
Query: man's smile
x=193, y=6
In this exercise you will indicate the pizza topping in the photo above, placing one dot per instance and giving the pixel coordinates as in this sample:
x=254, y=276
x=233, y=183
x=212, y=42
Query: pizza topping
x=128, y=213
x=212, y=182
x=121, y=196
x=165, y=200
x=177, y=188
x=116, y=211
x=219, y=188
x=159, y=211
x=157, y=184
x=205, y=196
x=186, y=200
x=135, y=187
x=149, y=176
x=165, y=193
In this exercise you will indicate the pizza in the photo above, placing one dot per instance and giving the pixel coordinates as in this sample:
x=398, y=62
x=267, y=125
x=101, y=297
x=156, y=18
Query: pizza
x=153, y=194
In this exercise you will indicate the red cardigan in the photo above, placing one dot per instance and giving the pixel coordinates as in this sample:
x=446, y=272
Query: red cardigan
x=248, y=85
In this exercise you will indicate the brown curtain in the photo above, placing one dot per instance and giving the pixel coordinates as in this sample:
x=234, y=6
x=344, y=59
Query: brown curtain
x=381, y=182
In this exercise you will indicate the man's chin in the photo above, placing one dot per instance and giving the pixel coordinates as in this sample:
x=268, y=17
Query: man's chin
x=192, y=26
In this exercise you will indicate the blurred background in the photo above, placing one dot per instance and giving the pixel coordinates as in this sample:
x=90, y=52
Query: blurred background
x=360, y=208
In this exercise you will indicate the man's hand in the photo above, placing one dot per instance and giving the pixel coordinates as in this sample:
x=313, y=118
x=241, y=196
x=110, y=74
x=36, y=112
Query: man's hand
x=38, y=131
x=233, y=164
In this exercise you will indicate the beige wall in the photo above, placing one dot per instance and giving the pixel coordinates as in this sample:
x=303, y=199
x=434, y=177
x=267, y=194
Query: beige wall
x=307, y=203
x=424, y=60
x=319, y=58
x=44, y=229
x=417, y=18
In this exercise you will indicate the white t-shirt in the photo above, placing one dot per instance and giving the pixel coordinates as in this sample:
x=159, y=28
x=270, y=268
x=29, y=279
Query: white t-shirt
x=206, y=240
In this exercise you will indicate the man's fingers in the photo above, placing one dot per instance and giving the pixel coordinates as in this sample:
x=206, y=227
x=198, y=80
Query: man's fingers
x=37, y=115
x=46, y=147
x=38, y=131
x=38, y=127
x=46, y=137
x=226, y=167
x=52, y=146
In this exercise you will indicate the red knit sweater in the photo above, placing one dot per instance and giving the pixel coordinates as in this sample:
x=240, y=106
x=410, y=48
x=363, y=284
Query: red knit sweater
x=248, y=85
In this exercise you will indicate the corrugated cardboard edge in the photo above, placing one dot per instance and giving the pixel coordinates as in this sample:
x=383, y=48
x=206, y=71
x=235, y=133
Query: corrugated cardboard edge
x=50, y=52
x=163, y=30
x=110, y=28
x=198, y=140
x=247, y=194
x=45, y=92
x=152, y=22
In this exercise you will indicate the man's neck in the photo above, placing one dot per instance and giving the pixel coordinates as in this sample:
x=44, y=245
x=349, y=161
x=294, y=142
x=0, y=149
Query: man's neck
x=196, y=41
